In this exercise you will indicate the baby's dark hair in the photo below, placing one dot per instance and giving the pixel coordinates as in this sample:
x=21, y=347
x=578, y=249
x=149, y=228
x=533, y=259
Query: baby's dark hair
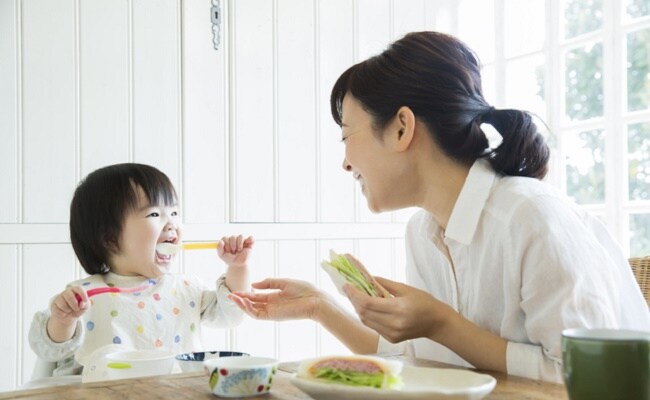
x=438, y=77
x=101, y=204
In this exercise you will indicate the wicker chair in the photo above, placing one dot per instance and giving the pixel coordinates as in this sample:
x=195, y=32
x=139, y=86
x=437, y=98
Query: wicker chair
x=641, y=268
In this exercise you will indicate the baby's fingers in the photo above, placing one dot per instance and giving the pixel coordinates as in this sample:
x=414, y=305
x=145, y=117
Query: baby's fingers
x=258, y=297
x=232, y=244
x=248, y=242
x=73, y=300
x=80, y=298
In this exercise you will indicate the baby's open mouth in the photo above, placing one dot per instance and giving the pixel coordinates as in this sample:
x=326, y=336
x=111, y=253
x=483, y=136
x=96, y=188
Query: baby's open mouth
x=165, y=250
x=163, y=257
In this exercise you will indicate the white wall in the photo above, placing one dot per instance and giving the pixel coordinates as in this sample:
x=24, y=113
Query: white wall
x=243, y=132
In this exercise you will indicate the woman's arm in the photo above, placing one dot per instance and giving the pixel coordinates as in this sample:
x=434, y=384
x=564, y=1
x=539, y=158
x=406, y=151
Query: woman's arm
x=293, y=299
x=346, y=328
x=413, y=313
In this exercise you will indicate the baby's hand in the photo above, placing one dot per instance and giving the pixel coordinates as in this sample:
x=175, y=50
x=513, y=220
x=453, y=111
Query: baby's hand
x=234, y=250
x=71, y=304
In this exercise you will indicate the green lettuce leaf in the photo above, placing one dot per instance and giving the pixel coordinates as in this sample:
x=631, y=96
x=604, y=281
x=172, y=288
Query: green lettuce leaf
x=353, y=378
x=352, y=275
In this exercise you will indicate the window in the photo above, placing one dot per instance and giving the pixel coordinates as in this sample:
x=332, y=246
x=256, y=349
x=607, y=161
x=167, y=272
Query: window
x=582, y=67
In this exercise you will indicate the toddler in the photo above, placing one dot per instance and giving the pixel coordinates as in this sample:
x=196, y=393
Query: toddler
x=118, y=215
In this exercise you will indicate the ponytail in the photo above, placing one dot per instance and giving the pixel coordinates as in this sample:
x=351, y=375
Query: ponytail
x=523, y=151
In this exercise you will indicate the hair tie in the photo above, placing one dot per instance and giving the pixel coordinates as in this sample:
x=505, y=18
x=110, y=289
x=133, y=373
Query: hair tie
x=488, y=115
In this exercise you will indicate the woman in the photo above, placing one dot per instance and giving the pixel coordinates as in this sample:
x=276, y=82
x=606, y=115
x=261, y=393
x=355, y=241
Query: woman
x=498, y=262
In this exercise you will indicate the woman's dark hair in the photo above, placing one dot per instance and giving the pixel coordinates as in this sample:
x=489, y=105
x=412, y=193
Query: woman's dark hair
x=101, y=204
x=438, y=77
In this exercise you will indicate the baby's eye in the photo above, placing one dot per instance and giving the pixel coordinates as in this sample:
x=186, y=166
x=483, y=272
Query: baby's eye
x=153, y=214
x=174, y=213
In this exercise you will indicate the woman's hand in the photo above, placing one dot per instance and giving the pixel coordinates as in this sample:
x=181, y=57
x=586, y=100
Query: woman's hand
x=294, y=299
x=412, y=313
x=289, y=299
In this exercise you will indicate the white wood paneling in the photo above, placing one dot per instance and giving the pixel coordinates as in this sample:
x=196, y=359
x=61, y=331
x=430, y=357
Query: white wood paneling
x=259, y=337
x=253, y=122
x=328, y=343
x=295, y=109
x=9, y=308
x=59, y=233
x=410, y=16
x=205, y=118
x=374, y=27
x=335, y=53
x=476, y=31
x=104, y=83
x=9, y=95
x=297, y=339
x=156, y=85
x=49, y=108
x=45, y=271
x=399, y=260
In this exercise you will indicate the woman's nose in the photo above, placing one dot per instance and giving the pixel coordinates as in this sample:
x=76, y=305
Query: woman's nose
x=346, y=166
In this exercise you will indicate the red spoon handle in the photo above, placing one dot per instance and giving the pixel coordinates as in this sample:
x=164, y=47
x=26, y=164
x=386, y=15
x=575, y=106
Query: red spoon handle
x=109, y=289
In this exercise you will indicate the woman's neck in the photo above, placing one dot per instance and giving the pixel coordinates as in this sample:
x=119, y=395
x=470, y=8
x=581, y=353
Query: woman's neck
x=442, y=181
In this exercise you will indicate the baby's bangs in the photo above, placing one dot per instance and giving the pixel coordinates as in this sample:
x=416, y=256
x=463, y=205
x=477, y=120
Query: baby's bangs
x=156, y=186
x=159, y=192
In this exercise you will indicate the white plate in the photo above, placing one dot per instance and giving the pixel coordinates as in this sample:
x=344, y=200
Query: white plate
x=419, y=384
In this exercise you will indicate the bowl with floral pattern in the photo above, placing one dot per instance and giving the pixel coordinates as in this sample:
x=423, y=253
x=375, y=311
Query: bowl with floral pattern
x=193, y=362
x=240, y=376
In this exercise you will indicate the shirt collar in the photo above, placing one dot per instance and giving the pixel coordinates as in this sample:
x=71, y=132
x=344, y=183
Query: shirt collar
x=471, y=202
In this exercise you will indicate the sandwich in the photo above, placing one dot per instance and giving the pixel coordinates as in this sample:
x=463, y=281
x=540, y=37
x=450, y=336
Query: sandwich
x=353, y=370
x=343, y=268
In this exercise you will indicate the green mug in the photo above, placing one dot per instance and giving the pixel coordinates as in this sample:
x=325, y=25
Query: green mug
x=601, y=364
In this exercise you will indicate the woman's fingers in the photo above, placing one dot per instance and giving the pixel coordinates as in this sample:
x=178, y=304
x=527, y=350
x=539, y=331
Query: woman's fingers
x=271, y=283
x=394, y=288
x=254, y=309
x=244, y=304
x=259, y=297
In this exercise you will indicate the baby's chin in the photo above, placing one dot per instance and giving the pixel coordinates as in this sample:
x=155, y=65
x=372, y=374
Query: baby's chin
x=162, y=270
x=157, y=271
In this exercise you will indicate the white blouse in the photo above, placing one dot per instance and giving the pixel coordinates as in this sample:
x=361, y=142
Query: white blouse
x=525, y=263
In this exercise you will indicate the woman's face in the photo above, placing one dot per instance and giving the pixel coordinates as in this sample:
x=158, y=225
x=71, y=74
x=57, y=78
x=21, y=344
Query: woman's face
x=369, y=158
x=143, y=229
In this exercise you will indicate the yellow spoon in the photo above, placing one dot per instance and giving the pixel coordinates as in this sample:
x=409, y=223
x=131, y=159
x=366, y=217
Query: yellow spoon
x=173, y=248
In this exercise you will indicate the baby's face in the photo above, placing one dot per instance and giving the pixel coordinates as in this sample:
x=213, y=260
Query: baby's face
x=143, y=229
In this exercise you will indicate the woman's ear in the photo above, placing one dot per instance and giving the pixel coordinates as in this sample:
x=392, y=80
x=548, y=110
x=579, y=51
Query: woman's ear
x=405, y=125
